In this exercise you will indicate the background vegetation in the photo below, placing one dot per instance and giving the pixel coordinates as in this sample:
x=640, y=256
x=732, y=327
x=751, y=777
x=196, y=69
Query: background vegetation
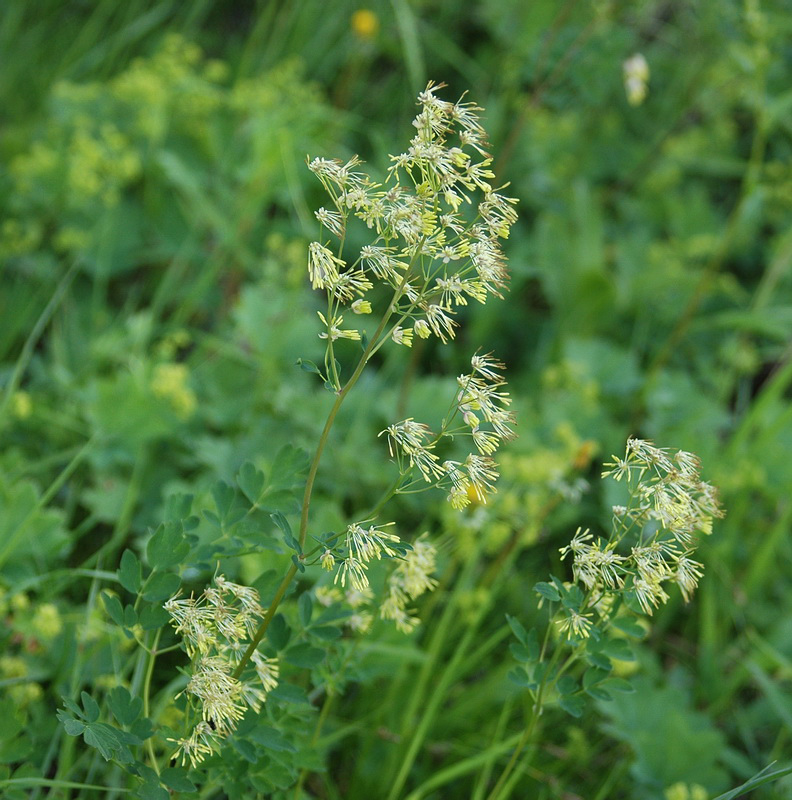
x=155, y=212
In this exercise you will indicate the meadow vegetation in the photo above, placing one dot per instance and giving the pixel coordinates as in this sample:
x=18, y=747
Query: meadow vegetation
x=395, y=400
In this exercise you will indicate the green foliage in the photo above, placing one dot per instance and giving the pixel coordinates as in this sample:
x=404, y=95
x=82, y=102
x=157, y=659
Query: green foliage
x=159, y=401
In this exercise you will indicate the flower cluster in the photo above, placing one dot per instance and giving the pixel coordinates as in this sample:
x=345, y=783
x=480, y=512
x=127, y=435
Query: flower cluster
x=215, y=628
x=482, y=408
x=407, y=582
x=358, y=600
x=361, y=545
x=410, y=579
x=425, y=250
x=654, y=536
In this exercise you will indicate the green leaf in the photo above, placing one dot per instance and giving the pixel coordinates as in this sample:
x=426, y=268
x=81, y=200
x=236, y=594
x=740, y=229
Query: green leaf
x=129, y=573
x=573, y=705
x=521, y=652
x=178, y=506
x=282, y=523
x=152, y=791
x=176, y=778
x=10, y=724
x=130, y=616
x=245, y=749
x=308, y=366
x=91, y=707
x=143, y=728
x=517, y=629
x=74, y=727
x=304, y=655
x=548, y=591
x=251, y=481
x=598, y=693
x=162, y=586
x=305, y=609
x=113, y=607
x=167, y=547
x=594, y=675
x=618, y=685
x=278, y=633
x=223, y=496
x=271, y=739
x=519, y=676
x=630, y=626
x=289, y=693
x=104, y=738
x=567, y=685
x=126, y=708
x=618, y=649
x=153, y=616
x=767, y=775
x=327, y=633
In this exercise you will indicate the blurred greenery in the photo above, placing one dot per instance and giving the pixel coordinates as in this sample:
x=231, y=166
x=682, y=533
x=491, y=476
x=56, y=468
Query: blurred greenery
x=155, y=212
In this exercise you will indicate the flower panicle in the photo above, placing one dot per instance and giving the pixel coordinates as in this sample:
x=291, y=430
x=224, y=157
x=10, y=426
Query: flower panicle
x=432, y=253
x=216, y=628
x=669, y=508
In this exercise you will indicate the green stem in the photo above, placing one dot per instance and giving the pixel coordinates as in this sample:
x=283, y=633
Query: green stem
x=146, y=695
x=535, y=714
x=55, y=783
x=273, y=607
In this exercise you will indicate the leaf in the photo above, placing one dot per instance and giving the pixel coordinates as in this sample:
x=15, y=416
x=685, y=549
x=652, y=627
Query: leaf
x=245, y=749
x=278, y=633
x=574, y=705
x=762, y=777
x=521, y=652
x=304, y=655
x=104, y=738
x=271, y=739
x=594, y=675
x=567, y=685
x=618, y=649
x=176, y=778
x=548, y=591
x=130, y=616
x=519, y=676
x=178, y=506
x=308, y=366
x=282, y=523
x=153, y=616
x=327, y=633
x=598, y=693
x=251, y=481
x=517, y=628
x=161, y=586
x=630, y=626
x=289, y=693
x=167, y=547
x=129, y=573
x=305, y=609
x=224, y=496
x=91, y=707
x=125, y=708
x=10, y=725
x=618, y=685
x=74, y=727
x=152, y=791
x=113, y=607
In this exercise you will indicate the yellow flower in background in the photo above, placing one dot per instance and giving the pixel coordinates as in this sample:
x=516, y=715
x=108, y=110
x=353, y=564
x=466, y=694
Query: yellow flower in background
x=636, y=78
x=46, y=621
x=170, y=383
x=683, y=791
x=365, y=23
x=21, y=405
